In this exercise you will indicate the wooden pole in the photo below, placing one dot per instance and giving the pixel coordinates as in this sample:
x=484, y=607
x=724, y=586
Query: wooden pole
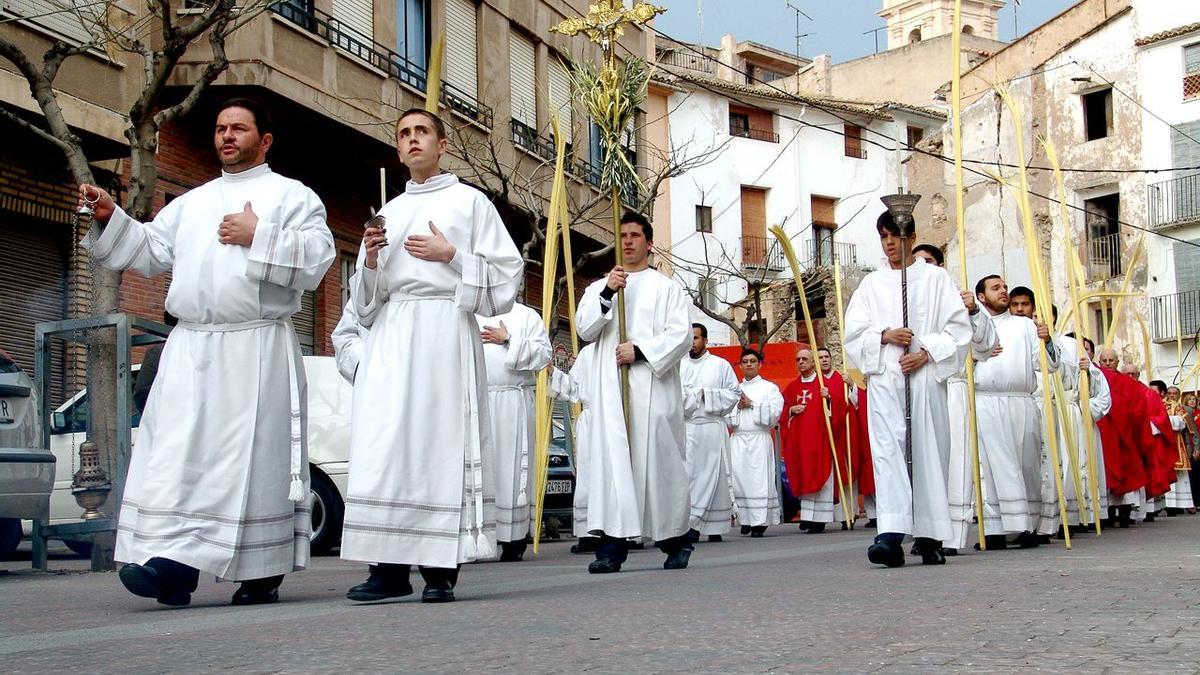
x=960, y=218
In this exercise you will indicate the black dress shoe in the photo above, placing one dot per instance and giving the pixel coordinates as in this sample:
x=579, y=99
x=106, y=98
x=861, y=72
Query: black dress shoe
x=715, y=538
x=746, y=529
x=1043, y=539
x=1026, y=539
x=693, y=536
x=603, y=566
x=1149, y=518
x=431, y=594
x=147, y=582
x=804, y=525
x=815, y=528
x=512, y=551
x=949, y=551
x=379, y=587
x=758, y=532
x=872, y=523
x=585, y=545
x=679, y=559
x=995, y=542
x=930, y=551
x=884, y=553
x=254, y=595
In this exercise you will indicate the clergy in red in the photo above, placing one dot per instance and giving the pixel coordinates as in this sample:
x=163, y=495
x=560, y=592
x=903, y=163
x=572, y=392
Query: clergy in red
x=806, y=450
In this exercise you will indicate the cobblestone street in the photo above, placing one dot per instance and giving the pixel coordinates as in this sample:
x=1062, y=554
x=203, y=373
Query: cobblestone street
x=1126, y=602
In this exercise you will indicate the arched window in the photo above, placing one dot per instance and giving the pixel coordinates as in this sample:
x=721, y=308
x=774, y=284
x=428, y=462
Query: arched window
x=968, y=29
x=914, y=36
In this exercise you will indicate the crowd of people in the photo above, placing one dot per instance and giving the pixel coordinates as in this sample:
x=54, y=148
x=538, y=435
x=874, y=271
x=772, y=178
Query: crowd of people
x=671, y=447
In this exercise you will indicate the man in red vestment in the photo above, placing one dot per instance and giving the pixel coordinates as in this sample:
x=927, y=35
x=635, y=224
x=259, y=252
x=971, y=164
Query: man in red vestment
x=1121, y=439
x=806, y=450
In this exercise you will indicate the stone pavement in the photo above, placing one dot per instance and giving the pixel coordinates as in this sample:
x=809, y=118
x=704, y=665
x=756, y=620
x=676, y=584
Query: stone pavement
x=1126, y=602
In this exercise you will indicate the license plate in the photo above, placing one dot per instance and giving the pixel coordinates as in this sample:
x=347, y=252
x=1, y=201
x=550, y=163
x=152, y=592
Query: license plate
x=6, y=411
x=558, y=487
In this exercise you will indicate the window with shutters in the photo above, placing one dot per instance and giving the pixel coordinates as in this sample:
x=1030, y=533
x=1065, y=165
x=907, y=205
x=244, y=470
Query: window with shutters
x=560, y=97
x=1191, y=71
x=462, y=46
x=852, y=137
x=752, y=123
x=704, y=217
x=595, y=153
x=347, y=260
x=356, y=17
x=1186, y=300
x=75, y=22
x=522, y=74
x=305, y=322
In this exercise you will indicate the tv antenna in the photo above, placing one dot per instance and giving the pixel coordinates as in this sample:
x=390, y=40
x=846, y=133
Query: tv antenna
x=799, y=13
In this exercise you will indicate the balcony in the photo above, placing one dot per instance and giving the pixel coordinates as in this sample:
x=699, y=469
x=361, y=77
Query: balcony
x=1174, y=202
x=1104, y=257
x=753, y=134
x=1175, y=313
x=528, y=139
x=843, y=253
x=362, y=47
x=686, y=60
x=762, y=254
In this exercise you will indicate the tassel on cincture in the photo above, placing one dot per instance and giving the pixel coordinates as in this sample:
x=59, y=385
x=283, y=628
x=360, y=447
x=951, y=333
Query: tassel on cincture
x=484, y=547
x=296, y=491
x=470, y=550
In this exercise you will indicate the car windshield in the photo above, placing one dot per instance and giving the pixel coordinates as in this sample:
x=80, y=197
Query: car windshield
x=7, y=365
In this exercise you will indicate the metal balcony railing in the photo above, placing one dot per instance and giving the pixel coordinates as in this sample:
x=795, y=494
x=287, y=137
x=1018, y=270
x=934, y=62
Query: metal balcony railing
x=1171, y=315
x=688, y=60
x=753, y=134
x=762, y=253
x=395, y=65
x=527, y=138
x=1174, y=202
x=1104, y=257
x=824, y=255
x=856, y=151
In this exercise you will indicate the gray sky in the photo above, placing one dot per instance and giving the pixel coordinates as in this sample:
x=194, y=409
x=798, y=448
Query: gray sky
x=837, y=26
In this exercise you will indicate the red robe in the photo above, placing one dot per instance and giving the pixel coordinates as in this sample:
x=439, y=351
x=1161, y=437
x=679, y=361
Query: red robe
x=805, y=447
x=1160, y=449
x=860, y=441
x=1120, y=434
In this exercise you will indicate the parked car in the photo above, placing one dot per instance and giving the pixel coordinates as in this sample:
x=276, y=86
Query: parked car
x=26, y=470
x=329, y=402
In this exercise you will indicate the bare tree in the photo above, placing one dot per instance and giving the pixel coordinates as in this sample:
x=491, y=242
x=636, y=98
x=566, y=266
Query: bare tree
x=157, y=36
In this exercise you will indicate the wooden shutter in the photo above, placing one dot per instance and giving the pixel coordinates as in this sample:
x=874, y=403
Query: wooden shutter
x=1184, y=150
x=33, y=289
x=461, y=46
x=823, y=210
x=560, y=96
x=356, y=15
x=59, y=17
x=522, y=72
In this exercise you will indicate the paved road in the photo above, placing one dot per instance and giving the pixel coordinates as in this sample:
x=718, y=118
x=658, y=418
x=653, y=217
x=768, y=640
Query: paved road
x=1126, y=602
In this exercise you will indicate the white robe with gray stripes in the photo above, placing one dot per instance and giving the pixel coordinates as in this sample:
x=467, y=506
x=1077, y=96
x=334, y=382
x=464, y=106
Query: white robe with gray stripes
x=223, y=430
x=421, y=477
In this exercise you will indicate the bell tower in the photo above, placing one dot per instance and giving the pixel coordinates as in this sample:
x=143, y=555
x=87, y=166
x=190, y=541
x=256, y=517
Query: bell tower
x=910, y=21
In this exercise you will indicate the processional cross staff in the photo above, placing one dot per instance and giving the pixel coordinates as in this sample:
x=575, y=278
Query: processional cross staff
x=612, y=107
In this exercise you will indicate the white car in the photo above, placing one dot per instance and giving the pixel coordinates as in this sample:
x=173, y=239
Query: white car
x=329, y=400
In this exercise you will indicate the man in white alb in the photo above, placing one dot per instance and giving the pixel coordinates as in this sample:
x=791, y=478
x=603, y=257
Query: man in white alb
x=752, y=448
x=218, y=482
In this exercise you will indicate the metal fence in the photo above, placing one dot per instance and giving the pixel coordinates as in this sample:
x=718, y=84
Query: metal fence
x=1104, y=257
x=1174, y=202
x=1173, y=314
x=762, y=253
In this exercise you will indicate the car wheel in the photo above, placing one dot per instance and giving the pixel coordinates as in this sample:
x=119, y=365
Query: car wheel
x=81, y=548
x=327, y=512
x=10, y=537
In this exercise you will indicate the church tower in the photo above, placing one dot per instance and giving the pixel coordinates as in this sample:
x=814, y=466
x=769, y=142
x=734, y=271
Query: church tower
x=910, y=21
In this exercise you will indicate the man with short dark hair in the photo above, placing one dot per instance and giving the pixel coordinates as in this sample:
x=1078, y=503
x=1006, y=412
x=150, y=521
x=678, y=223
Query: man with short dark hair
x=752, y=448
x=219, y=481
x=421, y=483
x=638, y=483
x=710, y=391
x=925, y=353
x=930, y=253
x=1010, y=431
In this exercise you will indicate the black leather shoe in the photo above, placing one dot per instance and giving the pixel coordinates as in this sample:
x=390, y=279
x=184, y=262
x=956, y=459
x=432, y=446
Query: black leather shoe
x=146, y=582
x=693, y=536
x=1025, y=540
x=679, y=559
x=715, y=538
x=746, y=530
x=251, y=595
x=585, y=545
x=872, y=523
x=995, y=542
x=930, y=551
x=431, y=594
x=603, y=566
x=512, y=551
x=883, y=553
x=949, y=551
x=379, y=587
x=815, y=528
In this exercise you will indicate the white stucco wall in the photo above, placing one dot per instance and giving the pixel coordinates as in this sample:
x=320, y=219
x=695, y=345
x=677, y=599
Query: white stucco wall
x=807, y=161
